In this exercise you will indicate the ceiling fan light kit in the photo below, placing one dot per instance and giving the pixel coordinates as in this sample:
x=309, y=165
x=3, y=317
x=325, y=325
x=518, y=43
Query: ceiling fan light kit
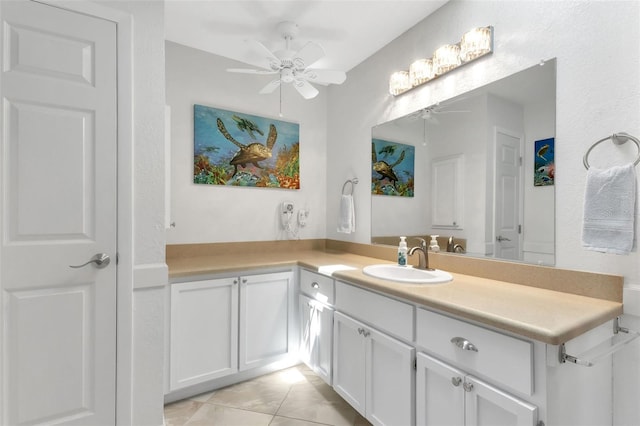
x=474, y=44
x=290, y=66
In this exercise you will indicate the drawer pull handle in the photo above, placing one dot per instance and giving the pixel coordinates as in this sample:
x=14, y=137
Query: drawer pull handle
x=315, y=285
x=456, y=381
x=468, y=387
x=464, y=344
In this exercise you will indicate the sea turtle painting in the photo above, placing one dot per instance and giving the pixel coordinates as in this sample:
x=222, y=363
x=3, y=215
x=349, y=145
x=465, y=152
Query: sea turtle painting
x=252, y=153
x=238, y=149
x=392, y=176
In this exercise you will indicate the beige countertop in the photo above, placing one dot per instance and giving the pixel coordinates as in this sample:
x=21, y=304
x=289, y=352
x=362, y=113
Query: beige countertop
x=548, y=315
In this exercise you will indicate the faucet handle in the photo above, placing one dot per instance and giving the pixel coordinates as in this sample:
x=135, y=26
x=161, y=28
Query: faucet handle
x=423, y=242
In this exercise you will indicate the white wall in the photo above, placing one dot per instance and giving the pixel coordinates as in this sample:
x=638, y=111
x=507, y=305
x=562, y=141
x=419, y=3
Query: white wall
x=208, y=213
x=597, y=46
x=539, y=201
x=141, y=297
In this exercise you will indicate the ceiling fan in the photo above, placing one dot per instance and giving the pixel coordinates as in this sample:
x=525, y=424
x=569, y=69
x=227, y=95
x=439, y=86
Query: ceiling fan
x=290, y=66
x=429, y=114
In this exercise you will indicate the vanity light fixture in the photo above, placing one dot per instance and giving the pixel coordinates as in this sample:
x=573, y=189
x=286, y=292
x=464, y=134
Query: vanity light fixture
x=446, y=58
x=399, y=82
x=420, y=72
x=473, y=45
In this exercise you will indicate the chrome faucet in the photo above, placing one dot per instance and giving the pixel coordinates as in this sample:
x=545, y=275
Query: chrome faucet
x=450, y=244
x=423, y=254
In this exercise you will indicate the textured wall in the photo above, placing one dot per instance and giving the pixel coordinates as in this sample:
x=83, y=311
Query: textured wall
x=207, y=213
x=597, y=46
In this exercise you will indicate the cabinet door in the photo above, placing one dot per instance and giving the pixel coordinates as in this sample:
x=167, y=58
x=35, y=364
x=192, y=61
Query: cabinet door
x=316, y=336
x=324, y=349
x=204, y=331
x=489, y=406
x=446, y=192
x=308, y=324
x=265, y=317
x=349, y=353
x=390, y=380
x=439, y=393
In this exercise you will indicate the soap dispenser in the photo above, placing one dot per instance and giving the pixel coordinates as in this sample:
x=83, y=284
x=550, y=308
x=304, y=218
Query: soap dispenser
x=433, y=244
x=402, y=252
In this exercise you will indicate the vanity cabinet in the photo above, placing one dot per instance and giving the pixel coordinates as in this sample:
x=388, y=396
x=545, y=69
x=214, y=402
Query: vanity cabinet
x=224, y=326
x=316, y=323
x=266, y=314
x=204, y=331
x=372, y=370
x=446, y=395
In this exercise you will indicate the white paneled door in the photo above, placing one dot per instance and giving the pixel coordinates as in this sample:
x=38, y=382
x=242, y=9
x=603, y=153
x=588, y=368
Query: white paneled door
x=58, y=162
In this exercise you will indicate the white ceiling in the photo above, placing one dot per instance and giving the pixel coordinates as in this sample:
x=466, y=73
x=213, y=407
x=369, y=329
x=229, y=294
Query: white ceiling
x=349, y=31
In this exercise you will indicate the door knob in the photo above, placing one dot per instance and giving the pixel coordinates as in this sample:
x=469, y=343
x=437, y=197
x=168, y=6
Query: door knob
x=101, y=261
x=500, y=238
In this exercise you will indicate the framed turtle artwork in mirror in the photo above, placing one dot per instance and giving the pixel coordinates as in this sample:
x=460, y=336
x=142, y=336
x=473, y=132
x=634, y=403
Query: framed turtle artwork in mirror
x=237, y=149
x=392, y=168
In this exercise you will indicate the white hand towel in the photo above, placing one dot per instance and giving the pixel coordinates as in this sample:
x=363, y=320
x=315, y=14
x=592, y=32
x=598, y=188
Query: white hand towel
x=347, y=218
x=609, y=209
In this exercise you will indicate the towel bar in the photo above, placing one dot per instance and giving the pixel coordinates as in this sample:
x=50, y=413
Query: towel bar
x=353, y=182
x=621, y=337
x=618, y=139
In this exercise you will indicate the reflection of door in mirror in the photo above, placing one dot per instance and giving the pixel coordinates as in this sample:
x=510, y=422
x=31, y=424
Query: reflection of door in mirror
x=507, y=213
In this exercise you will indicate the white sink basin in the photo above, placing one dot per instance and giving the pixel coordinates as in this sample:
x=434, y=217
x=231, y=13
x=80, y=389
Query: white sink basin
x=407, y=274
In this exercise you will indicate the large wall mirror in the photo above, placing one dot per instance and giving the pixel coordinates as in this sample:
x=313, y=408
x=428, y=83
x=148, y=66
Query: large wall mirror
x=484, y=170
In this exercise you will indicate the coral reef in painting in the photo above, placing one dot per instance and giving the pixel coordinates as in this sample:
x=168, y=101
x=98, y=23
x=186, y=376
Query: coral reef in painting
x=392, y=168
x=231, y=148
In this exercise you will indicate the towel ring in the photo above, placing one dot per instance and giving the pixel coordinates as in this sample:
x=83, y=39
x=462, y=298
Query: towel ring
x=618, y=139
x=353, y=182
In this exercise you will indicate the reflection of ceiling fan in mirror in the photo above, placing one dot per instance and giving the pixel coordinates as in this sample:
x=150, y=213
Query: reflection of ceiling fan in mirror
x=430, y=114
x=291, y=66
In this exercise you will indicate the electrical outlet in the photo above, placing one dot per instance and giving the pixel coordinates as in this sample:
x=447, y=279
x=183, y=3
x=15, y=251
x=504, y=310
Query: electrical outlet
x=302, y=217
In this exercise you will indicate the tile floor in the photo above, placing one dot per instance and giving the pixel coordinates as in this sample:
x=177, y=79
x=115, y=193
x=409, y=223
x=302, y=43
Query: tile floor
x=291, y=397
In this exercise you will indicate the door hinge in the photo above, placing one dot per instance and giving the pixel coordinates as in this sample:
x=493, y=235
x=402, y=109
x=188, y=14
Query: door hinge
x=415, y=364
x=519, y=229
x=117, y=258
x=520, y=160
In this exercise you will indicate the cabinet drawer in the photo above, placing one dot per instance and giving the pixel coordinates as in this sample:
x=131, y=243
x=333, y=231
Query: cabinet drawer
x=382, y=312
x=317, y=286
x=498, y=357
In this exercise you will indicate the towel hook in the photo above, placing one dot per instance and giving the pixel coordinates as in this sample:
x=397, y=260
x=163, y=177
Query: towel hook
x=618, y=139
x=353, y=182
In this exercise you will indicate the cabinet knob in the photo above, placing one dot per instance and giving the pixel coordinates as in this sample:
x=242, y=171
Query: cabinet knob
x=235, y=281
x=315, y=285
x=244, y=281
x=468, y=387
x=456, y=381
x=464, y=344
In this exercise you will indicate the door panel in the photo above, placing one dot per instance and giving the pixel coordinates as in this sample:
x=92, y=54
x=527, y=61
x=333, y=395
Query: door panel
x=507, y=193
x=349, y=366
x=265, y=309
x=390, y=380
x=58, y=88
x=489, y=406
x=439, y=393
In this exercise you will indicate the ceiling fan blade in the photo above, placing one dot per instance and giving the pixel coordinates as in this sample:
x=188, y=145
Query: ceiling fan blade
x=310, y=53
x=305, y=89
x=325, y=76
x=259, y=56
x=251, y=71
x=270, y=87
